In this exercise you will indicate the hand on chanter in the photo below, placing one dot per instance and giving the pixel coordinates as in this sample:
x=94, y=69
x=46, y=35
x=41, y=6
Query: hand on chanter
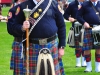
x=86, y=25
x=71, y=19
x=26, y=25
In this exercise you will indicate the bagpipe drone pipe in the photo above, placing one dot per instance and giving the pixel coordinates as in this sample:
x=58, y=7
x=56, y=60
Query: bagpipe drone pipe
x=95, y=35
x=45, y=65
x=74, y=32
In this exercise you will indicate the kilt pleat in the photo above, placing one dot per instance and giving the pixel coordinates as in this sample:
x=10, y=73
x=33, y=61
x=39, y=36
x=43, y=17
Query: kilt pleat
x=77, y=46
x=12, y=60
x=15, y=56
x=88, y=40
x=19, y=66
x=61, y=67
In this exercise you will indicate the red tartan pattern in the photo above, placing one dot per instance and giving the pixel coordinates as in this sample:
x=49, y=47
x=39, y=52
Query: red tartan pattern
x=77, y=46
x=18, y=64
x=88, y=58
x=78, y=50
x=78, y=53
x=97, y=57
x=88, y=40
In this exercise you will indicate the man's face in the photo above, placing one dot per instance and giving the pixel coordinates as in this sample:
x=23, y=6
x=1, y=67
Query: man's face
x=93, y=0
x=22, y=0
x=81, y=0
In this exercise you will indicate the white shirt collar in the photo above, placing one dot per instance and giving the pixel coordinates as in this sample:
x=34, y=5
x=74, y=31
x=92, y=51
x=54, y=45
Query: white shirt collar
x=95, y=3
x=80, y=3
x=35, y=1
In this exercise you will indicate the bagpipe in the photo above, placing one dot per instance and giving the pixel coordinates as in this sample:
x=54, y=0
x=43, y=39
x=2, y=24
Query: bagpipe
x=45, y=65
x=79, y=32
x=77, y=27
x=74, y=32
x=96, y=34
x=70, y=39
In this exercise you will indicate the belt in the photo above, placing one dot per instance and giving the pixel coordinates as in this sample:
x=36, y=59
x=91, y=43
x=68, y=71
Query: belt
x=38, y=41
x=43, y=41
x=18, y=39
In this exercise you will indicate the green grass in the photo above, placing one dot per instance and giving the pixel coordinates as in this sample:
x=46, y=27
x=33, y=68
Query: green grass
x=69, y=60
x=5, y=47
x=5, y=11
x=5, y=50
x=5, y=54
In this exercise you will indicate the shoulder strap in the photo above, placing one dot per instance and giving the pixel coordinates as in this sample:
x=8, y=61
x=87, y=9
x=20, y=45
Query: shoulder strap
x=36, y=6
x=97, y=13
x=41, y=15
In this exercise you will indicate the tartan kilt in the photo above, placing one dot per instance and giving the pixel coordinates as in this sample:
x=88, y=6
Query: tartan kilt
x=18, y=64
x=61, y=67
x=88, y=40
x=77, y=46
